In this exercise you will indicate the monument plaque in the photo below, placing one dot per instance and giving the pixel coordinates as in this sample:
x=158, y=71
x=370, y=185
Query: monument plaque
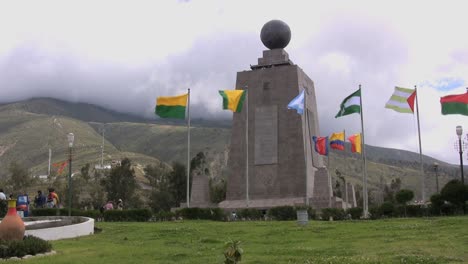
x=266, y=135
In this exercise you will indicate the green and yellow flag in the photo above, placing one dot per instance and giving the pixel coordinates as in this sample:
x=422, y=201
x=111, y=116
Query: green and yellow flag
x=171, y=106
x=233, y=99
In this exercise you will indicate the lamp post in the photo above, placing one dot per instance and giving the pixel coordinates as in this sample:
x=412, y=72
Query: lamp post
x=70, y=138
x=436, y=166
x=460, y=150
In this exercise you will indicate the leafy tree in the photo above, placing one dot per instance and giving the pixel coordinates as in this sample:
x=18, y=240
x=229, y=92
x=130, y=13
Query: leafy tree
x=218, y=191
x=437, y=202
x=121, y=182
x=456, y=193
x=19, y=178
x=403, y=197
x=85, y=172
x=161, y=200
x=178, y=182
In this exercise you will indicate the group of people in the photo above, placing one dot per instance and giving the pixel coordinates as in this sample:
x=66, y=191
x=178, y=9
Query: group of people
x=3, y=195
x=51, y=201
x=110, y=206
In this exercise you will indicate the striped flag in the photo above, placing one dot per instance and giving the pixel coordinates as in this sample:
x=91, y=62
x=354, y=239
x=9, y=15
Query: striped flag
x=233, y=99
x=355, y=142
x=337, y=140
x=351, y=104
x=402, y=100
x=171, y=107
x=454, y=104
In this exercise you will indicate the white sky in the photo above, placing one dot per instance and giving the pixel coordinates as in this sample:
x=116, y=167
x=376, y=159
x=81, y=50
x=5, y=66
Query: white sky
x=122, y=54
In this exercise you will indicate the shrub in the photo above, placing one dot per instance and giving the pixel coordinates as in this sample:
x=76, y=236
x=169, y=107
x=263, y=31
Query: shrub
x=134, y=215
x=64, y=212
x=436, y=204
x=216, y=214
x=355, y=212
x=387, y=209
x=250, y=214
x=336, y=213
x=163, y=216
x=232, y=252
x=30, y=245
x=375, y=212
x=416, y=211
x=3, y=208
x=282, y=213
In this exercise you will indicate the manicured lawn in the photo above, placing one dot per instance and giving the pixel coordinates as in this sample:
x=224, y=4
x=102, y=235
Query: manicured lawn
x=422, y=240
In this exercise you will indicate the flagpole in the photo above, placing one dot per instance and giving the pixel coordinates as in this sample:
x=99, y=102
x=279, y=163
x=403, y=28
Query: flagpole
x=330, y=188
x=423, y=185
x=246, y=147
x=363, y=148
x=188, y=149
x=305, y=148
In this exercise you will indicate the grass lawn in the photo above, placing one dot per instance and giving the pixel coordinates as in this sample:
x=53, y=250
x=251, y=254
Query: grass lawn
x=414, y=240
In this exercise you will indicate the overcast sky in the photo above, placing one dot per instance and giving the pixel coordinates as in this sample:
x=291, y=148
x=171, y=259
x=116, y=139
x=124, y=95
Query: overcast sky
x=123, y=54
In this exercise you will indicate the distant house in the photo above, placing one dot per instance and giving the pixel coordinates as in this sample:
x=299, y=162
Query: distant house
x=103, y=167
x=116, y=163
x=41, y=177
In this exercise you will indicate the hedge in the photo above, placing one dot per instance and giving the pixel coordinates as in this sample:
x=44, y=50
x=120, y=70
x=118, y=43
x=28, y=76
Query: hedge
x=64, y=212
x=216, y=214
x=335, y=213
x=133, y=215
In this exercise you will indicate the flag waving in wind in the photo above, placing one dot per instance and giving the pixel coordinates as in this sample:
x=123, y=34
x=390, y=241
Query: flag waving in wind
x=61, y=166
x=171, y=107
x=337, y=140
x=402, y=100
x=297, y=103
x=321, y=145
x=233, y=99
x=455, y=104
x=355, y=142
x=351, y=104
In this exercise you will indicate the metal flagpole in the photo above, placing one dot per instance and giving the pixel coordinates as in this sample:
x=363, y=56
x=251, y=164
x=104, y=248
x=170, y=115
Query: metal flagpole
x=188, y=149
x=363, y=149
x=246, y=147
x=423, y=185
x=330, y=188
x=304, y=130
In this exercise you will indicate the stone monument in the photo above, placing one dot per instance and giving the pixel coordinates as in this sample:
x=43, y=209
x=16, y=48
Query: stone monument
x=281, y=160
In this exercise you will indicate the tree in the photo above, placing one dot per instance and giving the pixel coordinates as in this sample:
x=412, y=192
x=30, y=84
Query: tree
x=404, y=196
x=178, y=182
x=456, y=193
x=121, y=182
x=19, y=178
x=85, y=172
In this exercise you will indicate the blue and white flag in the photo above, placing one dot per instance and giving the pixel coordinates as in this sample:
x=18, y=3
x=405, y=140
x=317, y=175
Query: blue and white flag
x=297, y=103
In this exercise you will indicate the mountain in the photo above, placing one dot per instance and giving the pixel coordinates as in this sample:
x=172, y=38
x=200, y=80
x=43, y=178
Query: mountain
x=29, y=128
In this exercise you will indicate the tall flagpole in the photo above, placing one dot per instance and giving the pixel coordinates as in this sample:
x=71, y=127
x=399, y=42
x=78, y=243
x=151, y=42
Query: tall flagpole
x=304, y=123
x=188, y=148
x=423, y=185
x=363, y=148
x=246, y=147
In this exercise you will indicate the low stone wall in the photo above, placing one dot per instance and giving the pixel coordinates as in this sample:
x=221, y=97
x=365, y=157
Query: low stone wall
x=59, y=227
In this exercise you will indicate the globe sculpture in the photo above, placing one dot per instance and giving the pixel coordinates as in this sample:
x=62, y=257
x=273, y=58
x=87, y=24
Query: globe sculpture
x=275, y=34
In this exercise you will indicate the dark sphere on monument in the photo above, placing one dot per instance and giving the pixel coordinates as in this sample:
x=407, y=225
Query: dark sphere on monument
x=275, y=34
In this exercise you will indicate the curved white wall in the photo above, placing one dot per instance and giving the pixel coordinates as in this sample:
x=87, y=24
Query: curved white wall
x=62, y=232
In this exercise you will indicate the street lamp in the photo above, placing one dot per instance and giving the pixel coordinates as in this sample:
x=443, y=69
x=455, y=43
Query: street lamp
x=459, y=133
x=436, y=166
x=70, y=138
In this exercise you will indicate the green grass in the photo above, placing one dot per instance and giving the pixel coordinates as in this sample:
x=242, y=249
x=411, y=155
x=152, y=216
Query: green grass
x=430, y=240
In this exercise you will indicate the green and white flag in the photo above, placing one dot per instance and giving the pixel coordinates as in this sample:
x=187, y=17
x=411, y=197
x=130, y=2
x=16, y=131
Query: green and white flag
x=351, y=104
x=402, y=100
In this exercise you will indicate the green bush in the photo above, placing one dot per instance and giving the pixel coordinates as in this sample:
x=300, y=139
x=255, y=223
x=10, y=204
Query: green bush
x=250, y=214
x=64, y=212
x=134, y=215
x=163, y=216
x=282, y=213
x=3, y=208
x=216, y=214
x=416, y=211
x=375, y=212
x=336, y=213
x=387, y=209
x=30, y=245
x=355, y=212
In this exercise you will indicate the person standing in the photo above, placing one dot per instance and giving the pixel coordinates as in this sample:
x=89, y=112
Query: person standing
x=2, y=195
x=120, y=204
x=52, y=199
x=39, y=200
